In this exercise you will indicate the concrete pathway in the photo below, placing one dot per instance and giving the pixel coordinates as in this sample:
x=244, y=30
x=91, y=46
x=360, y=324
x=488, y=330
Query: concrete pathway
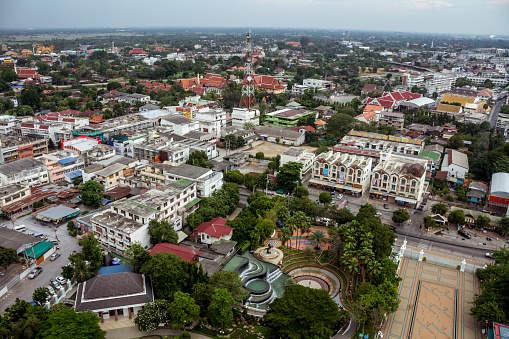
x=133, y=332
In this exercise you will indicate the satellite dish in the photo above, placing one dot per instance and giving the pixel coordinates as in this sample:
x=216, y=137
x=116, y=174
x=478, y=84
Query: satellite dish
x=249, y=78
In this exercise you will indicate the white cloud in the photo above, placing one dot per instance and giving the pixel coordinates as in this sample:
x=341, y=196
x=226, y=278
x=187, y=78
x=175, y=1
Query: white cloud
x=427, y=4
x=498, y=2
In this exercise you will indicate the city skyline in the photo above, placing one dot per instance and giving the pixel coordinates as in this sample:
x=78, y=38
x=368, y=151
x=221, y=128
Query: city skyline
x=420, y=16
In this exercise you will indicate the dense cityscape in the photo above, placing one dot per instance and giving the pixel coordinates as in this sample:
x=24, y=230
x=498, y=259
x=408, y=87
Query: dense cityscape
x=253, y=183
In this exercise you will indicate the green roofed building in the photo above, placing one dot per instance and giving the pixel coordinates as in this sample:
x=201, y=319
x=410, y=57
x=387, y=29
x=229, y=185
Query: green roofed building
x=38, y=249
x=288, y=117
x=435, y=156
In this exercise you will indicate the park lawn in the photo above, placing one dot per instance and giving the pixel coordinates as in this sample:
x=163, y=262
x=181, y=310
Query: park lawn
x=263, y=330
x=368, y=329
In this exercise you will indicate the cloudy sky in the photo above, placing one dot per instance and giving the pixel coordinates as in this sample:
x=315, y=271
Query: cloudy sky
x=438, y=16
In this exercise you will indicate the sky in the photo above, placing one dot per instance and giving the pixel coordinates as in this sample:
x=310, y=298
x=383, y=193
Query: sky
x=480, y=17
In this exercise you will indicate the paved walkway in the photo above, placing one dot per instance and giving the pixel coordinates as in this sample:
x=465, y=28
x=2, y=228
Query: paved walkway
x=133, y=332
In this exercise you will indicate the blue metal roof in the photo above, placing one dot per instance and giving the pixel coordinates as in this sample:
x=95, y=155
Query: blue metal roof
x=114, y=269
x=67, y=160
x=75, y=174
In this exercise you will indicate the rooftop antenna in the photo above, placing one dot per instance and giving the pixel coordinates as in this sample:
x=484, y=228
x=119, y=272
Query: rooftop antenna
x=247, y=98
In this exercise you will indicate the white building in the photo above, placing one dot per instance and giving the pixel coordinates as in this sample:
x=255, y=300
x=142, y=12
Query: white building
x=343, y=172
x=7, y=122
x=455, y=163
x=399, y=179
x=300, y=155
x=132, y=98
x=180, y=124
x=241, y=116
x=317, y=83
x=207, y=180
x=26, y=171
x=211, y=121
x=125, y=221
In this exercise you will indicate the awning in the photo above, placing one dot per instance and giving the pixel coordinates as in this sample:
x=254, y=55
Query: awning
x=192, y=203
x=403, y=200
x=330, y=185
x=339, y=187
x=314, y=181
x=347, y=188
x=357, y=189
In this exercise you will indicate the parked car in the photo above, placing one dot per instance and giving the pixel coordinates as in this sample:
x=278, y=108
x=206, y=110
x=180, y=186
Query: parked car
x=50, y=289
x=490, y=255
x=54, y=256
x=392, y=228
x=464, y=234
x=61, y=280
x=35, y=272
x=3, y=225
x=386, y=206
x=56, y=285
x=378, y=214
x=340, y=196
x=333, y=194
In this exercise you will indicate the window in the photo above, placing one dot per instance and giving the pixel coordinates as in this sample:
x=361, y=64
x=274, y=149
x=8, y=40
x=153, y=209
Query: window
x=359, y=172
x=413, y=183
x=393, y=187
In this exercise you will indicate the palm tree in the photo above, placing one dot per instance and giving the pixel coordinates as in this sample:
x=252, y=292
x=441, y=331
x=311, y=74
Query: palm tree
x=82, y=271
x=317, y=238
x=304, y=223
x=293, y=226
x=308, y=251
x=352, y=266
x=374, y=268
x=284, y=235
x=337, y=244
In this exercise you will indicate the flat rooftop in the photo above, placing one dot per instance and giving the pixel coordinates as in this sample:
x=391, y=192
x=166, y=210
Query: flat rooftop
x=117, y=221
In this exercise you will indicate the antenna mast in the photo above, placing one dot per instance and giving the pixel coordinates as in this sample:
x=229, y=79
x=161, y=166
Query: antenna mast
x=247, y=98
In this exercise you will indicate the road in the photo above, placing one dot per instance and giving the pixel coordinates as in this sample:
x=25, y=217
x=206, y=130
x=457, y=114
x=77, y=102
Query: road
x=50, y=269
x=494, y=113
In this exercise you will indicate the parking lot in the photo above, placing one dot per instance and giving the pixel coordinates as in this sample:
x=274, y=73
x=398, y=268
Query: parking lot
x=50, y=269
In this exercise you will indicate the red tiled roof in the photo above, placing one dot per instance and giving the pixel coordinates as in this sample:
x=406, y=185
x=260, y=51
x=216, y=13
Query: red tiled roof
x=215, y=228
x=118, y=192
x=184, y=253
x=441, y=175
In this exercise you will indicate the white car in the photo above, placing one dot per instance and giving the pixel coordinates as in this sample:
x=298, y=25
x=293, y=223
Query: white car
x=61, y=280
x=489, y=255
x=340, y=196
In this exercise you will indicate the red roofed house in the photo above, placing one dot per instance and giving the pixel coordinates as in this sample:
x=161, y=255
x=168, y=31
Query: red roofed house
x=304, y=129
x=212, y=231
x=137, y=51
x=367, y=117
x=393, y=99
x=269, y=83
x=214, y=82
x=27, y=73
x=184, y=253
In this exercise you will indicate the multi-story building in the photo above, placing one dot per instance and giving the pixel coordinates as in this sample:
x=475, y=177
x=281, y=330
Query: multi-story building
x=503, y=123
x=366, y=143
x=211, y=121
x=7, y=124
x=125, y=221
x=100, y=152
x=399, y=179
x=241, y=116
x=288, y=117
x=160, y=149
x=11, y=194
x=132, y=123
x=27, y=171
x=132, y=98
x=19, y=147
x=61, y=164
x=180, y=124
x=317, y=83
x=342, y=172
x=299, y=155
x=392, y=119
x=207, y=180
x=109, y=176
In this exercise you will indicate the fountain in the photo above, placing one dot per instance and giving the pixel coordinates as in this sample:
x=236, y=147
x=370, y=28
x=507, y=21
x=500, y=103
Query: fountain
x=263, y=280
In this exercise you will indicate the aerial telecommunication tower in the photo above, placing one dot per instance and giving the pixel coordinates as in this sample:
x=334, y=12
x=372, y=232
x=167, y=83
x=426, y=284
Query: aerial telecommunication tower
x=248, y=98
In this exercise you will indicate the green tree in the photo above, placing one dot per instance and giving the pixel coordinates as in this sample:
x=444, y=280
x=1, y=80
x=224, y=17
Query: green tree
x=40, y=295
x=400, y=216
x=183, y=310
x=153, y=314
x=231, y=282
x=67, y=323
x=343, y=216
x=76, y=181
x=503, y=226
x=429, y=222
x=456, y=217
x=304, y=312
x=439, y=209
x=30, y=97
x=91, y=193
x=138, y=256
x=260, y=155
x=220, y=310
x=169, y=274
x=200, y=159
x=482, y=221
x=325, y=198
x=51, y=145
x=7, y=256
x=456, y=141
x=112, y=85
x=162, y=232
x=91, y=251
x=234, y=176
x=22, y=320
x=8, y=74
x=288, y=176
x=317, y=238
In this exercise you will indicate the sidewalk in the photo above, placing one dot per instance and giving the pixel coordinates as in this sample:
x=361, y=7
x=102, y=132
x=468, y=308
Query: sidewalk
x=133, y=332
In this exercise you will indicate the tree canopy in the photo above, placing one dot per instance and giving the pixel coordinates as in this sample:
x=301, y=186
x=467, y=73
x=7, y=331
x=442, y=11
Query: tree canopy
x=162, y=232
x=303, y=313
x=66, y=323
x=91, y=193
x=200, y=159
x=288, y=176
